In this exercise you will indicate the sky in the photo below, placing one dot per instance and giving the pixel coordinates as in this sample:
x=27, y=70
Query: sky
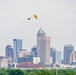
x=56, y=17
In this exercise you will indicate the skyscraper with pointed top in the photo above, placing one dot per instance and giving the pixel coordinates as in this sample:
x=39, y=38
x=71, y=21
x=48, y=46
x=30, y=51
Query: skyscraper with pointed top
x=43, y=46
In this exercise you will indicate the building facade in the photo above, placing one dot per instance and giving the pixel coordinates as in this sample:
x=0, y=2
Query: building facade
x=23, y=53
x=25, y=59
x=27, y=65
x=58, y=57
x=73, y=58
x=43, y=46
x=34, y=51
x=68, y=48
x=17, y=45
x=53, y=54
x=29, y=58
x=9, y=52
x=4, y=63
x=36, y=60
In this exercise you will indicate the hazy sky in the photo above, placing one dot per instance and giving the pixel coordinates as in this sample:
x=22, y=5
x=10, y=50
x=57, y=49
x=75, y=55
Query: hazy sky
x=57, y=18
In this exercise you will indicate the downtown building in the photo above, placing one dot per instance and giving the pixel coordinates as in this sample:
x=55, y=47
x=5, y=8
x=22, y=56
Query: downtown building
x=53, y=54
x=56, y=55
x=25, y=56
x=43, y=47
x=34, y=51
x=68, y=48
x=9, y=52
x=17, y=46
x=73, y=58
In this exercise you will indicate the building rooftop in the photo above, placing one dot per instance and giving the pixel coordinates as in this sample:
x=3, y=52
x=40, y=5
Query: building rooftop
x=68, y=45
x=41, y=30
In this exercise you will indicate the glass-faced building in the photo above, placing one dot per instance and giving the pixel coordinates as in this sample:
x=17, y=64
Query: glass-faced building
x=27, y=58
x=53, y=54
x=9, y=52
x=34, y=51
x=68, y=48
x=56, y=55
x=17, y=45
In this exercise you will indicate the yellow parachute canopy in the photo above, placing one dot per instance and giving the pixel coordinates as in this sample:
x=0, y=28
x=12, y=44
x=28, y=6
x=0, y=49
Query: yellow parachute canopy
x=35, y=16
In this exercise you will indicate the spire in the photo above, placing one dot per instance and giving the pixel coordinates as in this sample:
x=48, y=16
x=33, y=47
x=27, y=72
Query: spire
x=41, y=32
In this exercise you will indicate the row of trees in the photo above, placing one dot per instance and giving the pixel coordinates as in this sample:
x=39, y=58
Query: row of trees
x=37, y=72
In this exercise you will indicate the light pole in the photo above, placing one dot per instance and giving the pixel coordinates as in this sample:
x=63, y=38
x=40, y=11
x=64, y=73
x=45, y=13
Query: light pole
x=56, y=71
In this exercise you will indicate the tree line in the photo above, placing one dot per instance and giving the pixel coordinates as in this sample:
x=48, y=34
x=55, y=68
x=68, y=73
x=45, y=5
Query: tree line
x=37, y=72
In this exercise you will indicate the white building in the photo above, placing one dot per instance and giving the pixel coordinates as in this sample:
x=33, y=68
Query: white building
x=23, y=52
x=4, y=63
x=36, y=60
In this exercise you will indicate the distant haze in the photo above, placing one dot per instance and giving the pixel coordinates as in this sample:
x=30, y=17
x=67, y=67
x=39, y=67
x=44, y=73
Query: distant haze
x=56, y=17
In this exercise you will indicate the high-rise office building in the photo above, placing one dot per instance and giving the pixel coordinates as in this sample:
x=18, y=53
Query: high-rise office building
x=34, y=51
x=40, y=33
x=43, y=46
x=17, y=45
x=53, y=54
x=9, y=52
x=56, y=55
x=68, y=48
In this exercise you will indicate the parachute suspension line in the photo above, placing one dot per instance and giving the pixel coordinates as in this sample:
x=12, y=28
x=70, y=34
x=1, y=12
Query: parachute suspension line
x=40, y=26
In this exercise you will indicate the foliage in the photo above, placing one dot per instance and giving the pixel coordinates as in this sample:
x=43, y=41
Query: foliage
x=37, y=72
x=16, y=72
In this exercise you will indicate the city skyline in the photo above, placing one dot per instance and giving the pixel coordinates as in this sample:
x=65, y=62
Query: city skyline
x=57, y=18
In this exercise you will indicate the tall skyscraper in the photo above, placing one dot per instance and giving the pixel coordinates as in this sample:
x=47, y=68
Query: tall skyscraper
x=9, y=52
x=68, y=48
x=17, y=45
x=43, y=46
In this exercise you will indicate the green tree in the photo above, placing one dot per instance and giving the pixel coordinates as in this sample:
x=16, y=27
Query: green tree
x=44, y=72
x=16, y=72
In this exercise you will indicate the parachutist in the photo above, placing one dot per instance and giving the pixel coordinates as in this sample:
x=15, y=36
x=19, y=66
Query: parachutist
x=29, y=18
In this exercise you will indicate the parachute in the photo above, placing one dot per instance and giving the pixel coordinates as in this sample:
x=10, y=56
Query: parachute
x=35, y=16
